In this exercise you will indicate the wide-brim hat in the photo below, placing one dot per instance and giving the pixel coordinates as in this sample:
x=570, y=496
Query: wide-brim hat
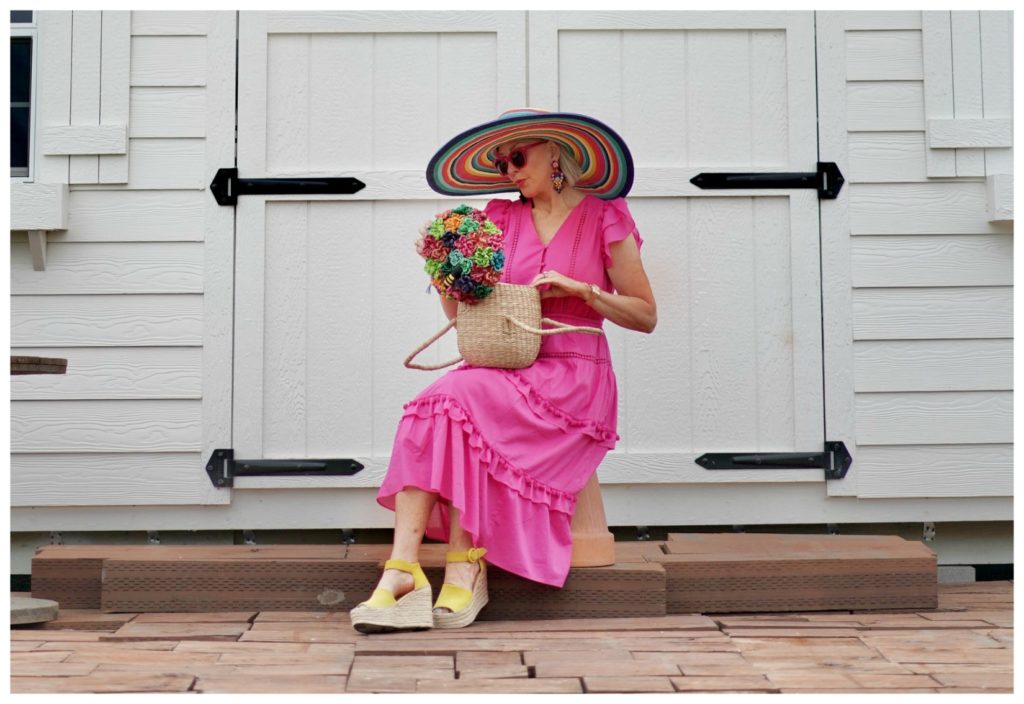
x=464, y=166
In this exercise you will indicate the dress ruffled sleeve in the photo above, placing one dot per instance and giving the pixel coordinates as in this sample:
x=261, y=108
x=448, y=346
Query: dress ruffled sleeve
x=617, y=225
x=497, y=211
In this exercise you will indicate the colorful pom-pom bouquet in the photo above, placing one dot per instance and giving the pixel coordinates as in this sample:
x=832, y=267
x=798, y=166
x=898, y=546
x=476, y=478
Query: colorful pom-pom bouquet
x=463, y=249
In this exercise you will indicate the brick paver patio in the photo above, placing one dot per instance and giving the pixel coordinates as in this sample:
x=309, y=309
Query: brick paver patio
x=966, y=645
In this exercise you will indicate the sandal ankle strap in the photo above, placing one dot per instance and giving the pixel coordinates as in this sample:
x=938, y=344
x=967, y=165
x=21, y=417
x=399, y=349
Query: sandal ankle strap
x=471, y=555
x=413, y=568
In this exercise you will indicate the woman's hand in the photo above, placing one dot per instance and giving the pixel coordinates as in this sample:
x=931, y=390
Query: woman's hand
x=551, y=284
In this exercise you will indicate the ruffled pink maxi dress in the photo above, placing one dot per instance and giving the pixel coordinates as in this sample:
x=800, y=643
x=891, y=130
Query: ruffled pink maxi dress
x=511, y=448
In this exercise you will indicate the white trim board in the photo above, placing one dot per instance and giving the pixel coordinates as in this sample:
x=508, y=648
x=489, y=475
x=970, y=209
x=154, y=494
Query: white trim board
x=624, y=505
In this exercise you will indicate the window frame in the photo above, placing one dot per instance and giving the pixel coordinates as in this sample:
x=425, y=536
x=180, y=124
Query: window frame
x=30, y=30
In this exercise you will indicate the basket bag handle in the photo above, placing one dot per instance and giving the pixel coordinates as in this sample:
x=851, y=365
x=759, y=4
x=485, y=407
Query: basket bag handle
x=559, y=328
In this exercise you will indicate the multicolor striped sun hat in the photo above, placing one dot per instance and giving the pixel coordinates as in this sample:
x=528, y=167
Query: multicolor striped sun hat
x=465, y=165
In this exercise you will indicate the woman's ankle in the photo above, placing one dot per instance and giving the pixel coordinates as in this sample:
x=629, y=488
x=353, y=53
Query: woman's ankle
x=397, y=582
x=462, y=572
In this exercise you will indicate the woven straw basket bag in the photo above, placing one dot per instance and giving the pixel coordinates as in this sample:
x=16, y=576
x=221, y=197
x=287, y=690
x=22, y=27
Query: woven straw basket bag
x=502, y=330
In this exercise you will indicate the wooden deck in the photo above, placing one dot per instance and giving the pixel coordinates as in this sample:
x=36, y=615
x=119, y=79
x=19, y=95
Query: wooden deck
x=965, y=645
x=689, y=573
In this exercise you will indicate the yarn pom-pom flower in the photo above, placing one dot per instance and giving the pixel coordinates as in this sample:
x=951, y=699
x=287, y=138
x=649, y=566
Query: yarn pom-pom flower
x=463, y=253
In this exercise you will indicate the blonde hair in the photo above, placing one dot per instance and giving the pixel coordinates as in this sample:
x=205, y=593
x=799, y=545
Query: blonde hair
x=570, y=167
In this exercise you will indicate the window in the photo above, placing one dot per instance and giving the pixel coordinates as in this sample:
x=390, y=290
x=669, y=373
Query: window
x=22, y=60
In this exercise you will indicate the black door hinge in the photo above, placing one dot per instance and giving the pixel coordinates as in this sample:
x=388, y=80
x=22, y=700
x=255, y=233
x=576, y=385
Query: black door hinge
x=827, y=180
x=223, y=468
x=227, y=186
x=836, y=460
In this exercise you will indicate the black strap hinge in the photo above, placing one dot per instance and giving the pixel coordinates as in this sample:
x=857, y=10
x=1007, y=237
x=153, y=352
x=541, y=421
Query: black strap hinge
x=827, y=180
x=227, y=186
x=223, y=468
x=836, y=460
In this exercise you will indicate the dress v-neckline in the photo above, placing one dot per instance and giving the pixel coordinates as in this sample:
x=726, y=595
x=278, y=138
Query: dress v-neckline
x=568, y=217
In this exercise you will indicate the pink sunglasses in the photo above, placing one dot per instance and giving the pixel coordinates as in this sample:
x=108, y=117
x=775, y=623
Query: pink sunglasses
x=517, y=156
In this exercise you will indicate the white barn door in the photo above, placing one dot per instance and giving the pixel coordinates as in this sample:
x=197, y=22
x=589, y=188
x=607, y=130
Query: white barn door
x=735, y=364
x=330, y=295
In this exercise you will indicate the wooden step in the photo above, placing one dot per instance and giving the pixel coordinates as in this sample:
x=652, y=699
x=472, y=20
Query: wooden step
x=319, y=578
x=631, y=587
x=74, y=571
x=688, y=573
x=751, y=572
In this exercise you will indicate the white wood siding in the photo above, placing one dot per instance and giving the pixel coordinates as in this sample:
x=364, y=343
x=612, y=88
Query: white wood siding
x=139, y=292
x=930, y=276
x=126, y=294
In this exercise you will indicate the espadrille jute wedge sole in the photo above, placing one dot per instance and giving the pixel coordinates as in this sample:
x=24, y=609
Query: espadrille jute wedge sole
x=464, y=604
x=382, y=613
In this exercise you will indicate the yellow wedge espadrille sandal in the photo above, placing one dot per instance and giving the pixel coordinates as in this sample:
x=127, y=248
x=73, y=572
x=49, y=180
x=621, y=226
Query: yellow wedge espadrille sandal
x=382, y=613
x=464, y=604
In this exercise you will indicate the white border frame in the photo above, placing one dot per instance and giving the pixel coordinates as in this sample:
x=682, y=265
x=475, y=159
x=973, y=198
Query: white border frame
x=30, y=29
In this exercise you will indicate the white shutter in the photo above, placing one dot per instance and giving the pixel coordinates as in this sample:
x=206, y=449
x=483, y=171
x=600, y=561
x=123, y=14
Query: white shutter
x=968, y=79
x=96, y=134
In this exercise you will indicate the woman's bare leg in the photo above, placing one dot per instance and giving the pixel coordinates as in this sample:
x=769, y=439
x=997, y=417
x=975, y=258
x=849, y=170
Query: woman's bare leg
x=459, y=573
x=412, y=508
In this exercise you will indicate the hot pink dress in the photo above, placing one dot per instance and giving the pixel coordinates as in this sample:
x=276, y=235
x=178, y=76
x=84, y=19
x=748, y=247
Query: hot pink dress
x=511, y=448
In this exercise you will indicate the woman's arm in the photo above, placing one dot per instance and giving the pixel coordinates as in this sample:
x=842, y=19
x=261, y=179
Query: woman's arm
x=632, y=307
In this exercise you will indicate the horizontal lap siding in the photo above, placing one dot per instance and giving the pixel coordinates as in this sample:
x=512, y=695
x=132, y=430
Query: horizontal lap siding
x=109, y=267
x=99, y=373
x=933, y=261
x=106, y=478
x=933, y=287
x=122, y=299
x=106, y=321
x=934, y=365
x=106, y=426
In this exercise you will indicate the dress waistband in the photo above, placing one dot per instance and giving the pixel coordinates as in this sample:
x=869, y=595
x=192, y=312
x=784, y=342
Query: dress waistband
x=574, y=355
x=578, y=345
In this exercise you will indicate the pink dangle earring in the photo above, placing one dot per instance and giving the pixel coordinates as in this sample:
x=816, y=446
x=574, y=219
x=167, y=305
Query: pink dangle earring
x=557, y=177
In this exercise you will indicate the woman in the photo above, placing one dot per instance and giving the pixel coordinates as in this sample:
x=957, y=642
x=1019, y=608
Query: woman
x=491, y=460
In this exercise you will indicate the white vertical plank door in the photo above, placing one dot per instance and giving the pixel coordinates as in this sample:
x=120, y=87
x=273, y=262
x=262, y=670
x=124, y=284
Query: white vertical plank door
x=735, y=364
x=330, y=295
